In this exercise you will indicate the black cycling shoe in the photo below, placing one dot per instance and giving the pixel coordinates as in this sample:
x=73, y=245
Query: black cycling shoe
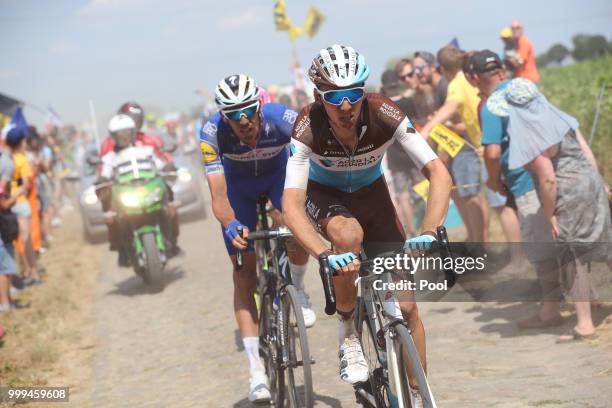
x=123, y=260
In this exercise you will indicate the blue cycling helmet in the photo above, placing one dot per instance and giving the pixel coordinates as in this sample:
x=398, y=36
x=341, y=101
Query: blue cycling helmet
x=338, y=66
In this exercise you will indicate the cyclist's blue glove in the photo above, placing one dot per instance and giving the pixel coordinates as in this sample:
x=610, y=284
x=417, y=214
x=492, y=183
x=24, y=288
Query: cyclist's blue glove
x=341, y=260
x=421, y=243
x=231, y=231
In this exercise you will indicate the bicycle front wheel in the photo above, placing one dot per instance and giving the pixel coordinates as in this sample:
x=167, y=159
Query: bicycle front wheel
x=407, y=356
x=296, y=355
x=375, y=392
x=269, y=350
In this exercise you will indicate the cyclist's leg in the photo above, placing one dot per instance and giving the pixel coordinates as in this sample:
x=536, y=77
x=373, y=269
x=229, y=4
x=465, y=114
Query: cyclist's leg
x=245, y=278
x=383, y=232
x=298, y=257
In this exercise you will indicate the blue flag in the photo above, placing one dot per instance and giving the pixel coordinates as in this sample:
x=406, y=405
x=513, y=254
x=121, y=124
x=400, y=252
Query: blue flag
x=18, y=120
x=454, y=42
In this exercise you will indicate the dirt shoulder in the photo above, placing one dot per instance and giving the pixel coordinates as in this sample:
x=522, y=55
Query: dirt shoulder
x=51, y=341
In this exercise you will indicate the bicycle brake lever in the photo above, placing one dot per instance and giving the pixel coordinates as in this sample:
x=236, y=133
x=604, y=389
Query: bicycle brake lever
x=445, y=252
x=239, y=262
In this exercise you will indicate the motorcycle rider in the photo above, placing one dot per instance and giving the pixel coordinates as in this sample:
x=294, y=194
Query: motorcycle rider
x=136, y=112
x=124, y=133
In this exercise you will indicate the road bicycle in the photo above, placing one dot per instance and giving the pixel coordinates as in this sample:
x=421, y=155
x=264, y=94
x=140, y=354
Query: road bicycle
x=283, y=343
x=386, y=339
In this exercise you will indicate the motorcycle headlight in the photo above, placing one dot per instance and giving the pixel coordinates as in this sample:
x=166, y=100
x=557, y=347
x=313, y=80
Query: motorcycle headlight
x=90, y=197
x=130, y=199
x=184, y=176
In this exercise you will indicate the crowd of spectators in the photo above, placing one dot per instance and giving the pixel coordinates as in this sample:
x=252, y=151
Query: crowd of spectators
x=32, y=197
x=535, y=198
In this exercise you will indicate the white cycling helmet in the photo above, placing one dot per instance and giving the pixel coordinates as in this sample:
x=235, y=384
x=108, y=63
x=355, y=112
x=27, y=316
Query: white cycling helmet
x=236, y=90
x=338, y=66
x=122, y=129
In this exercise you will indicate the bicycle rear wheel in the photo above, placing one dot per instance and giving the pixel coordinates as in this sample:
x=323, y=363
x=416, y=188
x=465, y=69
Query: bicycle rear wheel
x=298, y=371
x=269, y=351
x=406, y=354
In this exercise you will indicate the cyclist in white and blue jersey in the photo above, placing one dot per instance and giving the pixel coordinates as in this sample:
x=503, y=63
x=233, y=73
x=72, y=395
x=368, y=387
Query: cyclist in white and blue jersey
x=244, y=149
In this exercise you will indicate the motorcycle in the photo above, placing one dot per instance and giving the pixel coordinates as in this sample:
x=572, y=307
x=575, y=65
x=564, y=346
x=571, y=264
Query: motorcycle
x=140, y=196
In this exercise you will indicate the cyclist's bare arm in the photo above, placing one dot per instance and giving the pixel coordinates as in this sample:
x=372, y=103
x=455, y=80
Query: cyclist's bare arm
x=221, y=206
x=440, y=184
x=294, y=199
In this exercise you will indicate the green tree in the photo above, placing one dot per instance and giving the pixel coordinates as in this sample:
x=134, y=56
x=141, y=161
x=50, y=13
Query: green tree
x=589, y=46
x=557, y=53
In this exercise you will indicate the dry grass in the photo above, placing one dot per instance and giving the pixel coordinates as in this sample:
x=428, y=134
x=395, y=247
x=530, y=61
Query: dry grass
x=49, y=343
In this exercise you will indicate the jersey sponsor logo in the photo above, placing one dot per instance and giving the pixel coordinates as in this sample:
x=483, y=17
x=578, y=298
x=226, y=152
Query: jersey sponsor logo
x=345, y=162
x=256, y=154
x=312, y=209
x=364, y=148
x=210, y=129
x=290, y=116
x=391, y=111
x=301, y=126
x=209, y=153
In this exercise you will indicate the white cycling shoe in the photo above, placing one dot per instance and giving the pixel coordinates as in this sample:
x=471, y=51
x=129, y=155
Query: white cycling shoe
x=353, y=367
x=310, y=316
x=418, y=401
x=259, y=391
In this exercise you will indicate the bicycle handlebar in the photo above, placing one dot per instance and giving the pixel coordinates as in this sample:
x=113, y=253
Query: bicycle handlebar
x=282, y=232
x=442, y=245
x=327, y=274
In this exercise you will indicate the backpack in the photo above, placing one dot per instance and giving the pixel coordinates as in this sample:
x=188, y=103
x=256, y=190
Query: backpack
x=9, y=228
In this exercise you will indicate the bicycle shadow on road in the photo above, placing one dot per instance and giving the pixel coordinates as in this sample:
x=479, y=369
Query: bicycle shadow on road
x=134, y=285
x=321, y=401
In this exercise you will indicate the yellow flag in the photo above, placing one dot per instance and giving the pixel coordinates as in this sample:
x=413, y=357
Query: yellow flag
x=422, y=189
x=313, y=21
x=447, y=139
x=295, y=32
x=281, y=20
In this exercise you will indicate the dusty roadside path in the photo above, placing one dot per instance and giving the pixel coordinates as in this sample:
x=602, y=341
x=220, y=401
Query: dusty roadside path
x=179, y=348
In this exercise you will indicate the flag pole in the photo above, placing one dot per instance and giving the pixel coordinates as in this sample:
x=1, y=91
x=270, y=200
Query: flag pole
x=92, y=112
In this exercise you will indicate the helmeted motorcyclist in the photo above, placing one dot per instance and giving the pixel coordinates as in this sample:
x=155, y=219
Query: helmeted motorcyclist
x=136, y=112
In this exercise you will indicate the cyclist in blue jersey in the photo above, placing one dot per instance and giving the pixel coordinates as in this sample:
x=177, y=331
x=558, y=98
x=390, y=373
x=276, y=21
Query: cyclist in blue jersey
x=244, y=149
x=335, y=173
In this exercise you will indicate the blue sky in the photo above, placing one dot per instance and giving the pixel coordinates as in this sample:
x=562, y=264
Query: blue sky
x=65, y=52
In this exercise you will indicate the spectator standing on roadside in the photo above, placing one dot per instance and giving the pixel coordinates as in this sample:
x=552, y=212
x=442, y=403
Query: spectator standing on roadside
x=406, y=74
x=426, y=70
x=7, y=254
x=404, y=173
x=466, y=168
x=21, y=185
x=547, y=142
x=488, y=73
x=525, y=64
x=509, y=50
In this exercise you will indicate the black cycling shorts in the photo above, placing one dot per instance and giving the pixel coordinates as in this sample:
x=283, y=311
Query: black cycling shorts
x=371, y=206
